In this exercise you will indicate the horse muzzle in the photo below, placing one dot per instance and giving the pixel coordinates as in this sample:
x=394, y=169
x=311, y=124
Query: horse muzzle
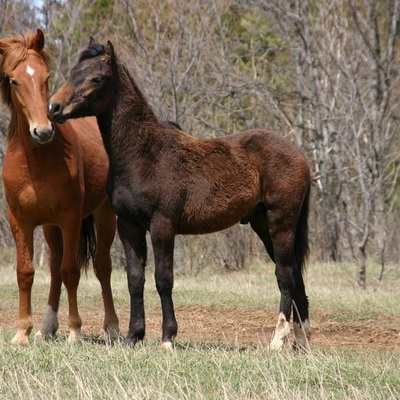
x=42, y=134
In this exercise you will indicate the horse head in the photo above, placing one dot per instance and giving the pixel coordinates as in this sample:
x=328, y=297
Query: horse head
x=24, y=74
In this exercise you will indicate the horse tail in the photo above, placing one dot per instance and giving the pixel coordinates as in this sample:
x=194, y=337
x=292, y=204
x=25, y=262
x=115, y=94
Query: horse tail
x=301, y=246
x=88, y=242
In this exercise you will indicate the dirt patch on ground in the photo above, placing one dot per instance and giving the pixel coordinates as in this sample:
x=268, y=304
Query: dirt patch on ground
x=255, y=327
x=241, y=327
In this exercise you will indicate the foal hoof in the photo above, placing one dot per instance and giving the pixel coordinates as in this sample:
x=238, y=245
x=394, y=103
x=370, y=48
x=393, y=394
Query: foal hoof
x=39, y=337
x=130, y=341
x=169, y=346
x=302, y=348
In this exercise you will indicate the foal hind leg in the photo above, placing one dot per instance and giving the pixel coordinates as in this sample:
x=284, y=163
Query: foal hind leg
x=259, y=224
x=281, y=230
x=301, y=323
x=53, y=236
x=105, y=228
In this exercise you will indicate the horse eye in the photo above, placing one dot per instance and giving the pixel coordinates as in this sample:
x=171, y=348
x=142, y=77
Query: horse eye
x=13, y=82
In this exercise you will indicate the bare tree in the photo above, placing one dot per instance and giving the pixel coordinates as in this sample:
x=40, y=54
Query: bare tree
x=344, y=61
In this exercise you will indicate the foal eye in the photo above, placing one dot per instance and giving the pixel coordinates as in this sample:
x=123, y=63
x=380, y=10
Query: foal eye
x=96, y=79
x=13, y=82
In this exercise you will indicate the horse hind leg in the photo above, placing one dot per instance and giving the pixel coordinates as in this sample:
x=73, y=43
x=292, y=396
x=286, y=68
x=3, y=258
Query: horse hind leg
x=106, y=228
x=53, y=236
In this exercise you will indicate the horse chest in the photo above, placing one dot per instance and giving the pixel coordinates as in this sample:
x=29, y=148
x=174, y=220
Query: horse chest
x=35, y=191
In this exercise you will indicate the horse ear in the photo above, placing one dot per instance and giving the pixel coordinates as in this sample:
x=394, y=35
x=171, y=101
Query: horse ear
x=39, y=41
x=110, y=52
x=91, y=41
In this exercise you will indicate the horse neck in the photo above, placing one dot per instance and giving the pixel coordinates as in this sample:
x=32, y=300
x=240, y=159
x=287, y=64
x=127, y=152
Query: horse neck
x=18, y=128
x=129, y=123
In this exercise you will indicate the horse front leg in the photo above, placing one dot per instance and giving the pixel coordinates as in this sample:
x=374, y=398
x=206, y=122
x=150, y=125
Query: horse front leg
x=23, y=237
x=70, y=273
x=133, y=239
x=163, y=236
x=54, y=239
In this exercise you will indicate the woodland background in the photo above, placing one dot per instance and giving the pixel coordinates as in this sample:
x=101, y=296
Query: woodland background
x=322, y=73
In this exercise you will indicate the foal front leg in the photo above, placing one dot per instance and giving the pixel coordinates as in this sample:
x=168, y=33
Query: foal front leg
x=163, y=236
x=133, y=239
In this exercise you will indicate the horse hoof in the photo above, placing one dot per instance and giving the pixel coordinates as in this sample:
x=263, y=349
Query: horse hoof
x=74, y=336
x=114, y=334
x=20, y=340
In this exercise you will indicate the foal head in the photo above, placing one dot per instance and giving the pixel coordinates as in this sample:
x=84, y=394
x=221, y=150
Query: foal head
x=88, y=91
x=24, y=74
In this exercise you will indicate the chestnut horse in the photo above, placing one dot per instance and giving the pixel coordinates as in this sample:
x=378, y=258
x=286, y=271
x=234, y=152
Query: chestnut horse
x=167, y=182
x=53, y=176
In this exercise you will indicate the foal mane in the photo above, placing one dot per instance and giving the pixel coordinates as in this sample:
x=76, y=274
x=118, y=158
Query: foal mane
x=17, y=50
x=95, y=49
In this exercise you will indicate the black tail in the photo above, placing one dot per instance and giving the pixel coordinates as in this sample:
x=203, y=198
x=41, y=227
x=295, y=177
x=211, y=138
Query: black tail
x=88, y=242
x=301, y=246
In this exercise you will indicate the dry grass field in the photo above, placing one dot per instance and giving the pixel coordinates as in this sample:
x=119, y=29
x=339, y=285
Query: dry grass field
x=225, y=323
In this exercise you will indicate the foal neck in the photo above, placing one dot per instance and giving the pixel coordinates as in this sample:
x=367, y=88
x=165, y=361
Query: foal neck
x=129, y=123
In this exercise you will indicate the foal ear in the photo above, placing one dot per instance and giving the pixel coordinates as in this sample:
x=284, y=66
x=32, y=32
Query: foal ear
x=110, y=52
x=91, y=41
x=39, y=41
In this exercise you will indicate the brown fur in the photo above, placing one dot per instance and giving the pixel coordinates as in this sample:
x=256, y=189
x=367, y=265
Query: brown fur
x=164, y=181
x=56, y=178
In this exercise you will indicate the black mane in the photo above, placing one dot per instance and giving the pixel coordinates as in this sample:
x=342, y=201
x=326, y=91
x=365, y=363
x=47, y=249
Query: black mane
x=92, y=51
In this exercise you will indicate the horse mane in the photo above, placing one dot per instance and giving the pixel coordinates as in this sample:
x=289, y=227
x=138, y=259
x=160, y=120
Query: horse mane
x=17, y=50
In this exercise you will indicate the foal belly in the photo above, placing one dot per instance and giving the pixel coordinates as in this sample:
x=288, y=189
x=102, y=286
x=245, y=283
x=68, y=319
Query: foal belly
x=214, y=217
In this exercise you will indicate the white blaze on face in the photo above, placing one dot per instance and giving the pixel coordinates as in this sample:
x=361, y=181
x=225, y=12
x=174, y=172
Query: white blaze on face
x=29, y=70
